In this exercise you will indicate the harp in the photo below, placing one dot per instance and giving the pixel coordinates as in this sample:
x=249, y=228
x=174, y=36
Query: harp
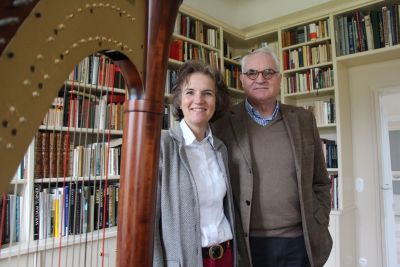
x=40, y=43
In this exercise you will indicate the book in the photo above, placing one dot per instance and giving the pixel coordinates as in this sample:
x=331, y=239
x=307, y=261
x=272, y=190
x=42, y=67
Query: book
x=60, y=153
x=369, y=32
x=313, y=31
x=53, y=154
x=38, y=168
x=36, y=212
x=46, y=154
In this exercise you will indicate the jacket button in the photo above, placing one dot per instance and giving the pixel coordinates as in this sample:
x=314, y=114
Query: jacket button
x=248, y=202
x=245, y=235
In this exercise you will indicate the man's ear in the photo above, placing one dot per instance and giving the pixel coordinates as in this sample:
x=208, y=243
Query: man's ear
x=241, y=77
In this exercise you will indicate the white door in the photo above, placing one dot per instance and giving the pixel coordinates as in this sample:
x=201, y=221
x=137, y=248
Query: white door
x=388, y=108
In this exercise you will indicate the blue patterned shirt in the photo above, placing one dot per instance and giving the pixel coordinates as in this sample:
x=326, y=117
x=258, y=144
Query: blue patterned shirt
x=256, y=116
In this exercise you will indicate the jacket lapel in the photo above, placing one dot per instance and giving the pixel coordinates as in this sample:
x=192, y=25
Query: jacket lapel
x=238, y=120
x=292, y=125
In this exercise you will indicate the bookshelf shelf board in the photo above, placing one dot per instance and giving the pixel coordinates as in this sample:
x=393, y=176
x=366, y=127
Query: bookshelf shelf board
x=168, y=99
x=19, y=181
x=93, y=87
x=19, y=249
x=231, y=61
x=335, y=212
x=184, y=38
x=312, y=93
x=327, y=126
x=315, y=42
x=60, y=180
x=332, y=170
x=236, y=91
x=174, y=63
x=83, y=130
x=370, y=56
x=324, y=64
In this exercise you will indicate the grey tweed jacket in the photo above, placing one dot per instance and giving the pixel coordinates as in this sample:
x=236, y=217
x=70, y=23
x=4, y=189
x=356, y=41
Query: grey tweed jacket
x=177, y=239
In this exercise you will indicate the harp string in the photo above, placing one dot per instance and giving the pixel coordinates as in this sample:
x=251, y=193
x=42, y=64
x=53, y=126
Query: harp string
x=111, y=76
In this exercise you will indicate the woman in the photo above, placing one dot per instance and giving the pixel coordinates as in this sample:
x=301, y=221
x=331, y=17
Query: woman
x=194, y=217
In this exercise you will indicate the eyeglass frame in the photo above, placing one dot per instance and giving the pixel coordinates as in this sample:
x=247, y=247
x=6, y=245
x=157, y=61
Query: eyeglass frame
x=268, y=76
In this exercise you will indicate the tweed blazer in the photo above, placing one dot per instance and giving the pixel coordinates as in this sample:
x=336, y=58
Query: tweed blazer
x=177, y=238
x=312, y=178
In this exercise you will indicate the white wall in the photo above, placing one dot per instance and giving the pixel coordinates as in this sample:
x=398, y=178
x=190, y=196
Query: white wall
x=245, y=13
x=368, y=224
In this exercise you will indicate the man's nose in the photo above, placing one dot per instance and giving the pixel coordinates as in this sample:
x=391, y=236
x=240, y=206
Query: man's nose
x=260, y=78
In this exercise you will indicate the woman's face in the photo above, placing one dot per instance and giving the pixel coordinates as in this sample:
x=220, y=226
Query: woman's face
x=198, y=100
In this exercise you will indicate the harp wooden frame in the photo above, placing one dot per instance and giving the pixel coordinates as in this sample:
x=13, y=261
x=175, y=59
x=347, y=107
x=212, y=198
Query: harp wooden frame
x=46, y=41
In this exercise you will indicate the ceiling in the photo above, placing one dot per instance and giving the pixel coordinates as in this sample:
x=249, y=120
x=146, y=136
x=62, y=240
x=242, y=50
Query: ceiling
x=242, y=14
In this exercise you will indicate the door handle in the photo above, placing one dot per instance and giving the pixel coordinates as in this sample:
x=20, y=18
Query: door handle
x=386, y=187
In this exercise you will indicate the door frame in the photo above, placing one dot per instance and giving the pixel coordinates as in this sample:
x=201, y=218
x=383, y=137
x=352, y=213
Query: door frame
x=385, y=189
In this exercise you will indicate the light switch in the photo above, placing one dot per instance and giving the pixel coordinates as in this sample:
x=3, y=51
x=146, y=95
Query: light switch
x=362, y=262
x=359, y=184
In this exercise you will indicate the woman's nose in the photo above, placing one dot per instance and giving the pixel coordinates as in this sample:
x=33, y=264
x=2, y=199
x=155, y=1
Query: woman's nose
x=198, y=98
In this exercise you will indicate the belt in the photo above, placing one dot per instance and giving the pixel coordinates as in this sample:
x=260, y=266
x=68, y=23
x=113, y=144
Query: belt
x=216, y=252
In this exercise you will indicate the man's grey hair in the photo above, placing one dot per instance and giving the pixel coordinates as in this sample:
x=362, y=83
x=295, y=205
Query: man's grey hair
x=266, y=50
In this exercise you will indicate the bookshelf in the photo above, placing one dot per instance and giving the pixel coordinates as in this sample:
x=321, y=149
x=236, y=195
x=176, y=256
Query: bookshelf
x=308, y=81
x=322, y=84
x=334, y=91
x=65, y=191
x=235, y=47
x=195, y=38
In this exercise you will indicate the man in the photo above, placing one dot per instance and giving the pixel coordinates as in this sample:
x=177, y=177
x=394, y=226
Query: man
x=279, y=178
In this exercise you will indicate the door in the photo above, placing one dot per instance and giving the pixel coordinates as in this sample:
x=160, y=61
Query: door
x=387, y=112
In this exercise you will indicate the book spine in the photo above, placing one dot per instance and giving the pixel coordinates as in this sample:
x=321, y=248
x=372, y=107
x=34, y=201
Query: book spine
x=36, y=214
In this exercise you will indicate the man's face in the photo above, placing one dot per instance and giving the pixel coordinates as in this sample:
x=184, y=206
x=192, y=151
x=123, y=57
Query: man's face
x=261, y=90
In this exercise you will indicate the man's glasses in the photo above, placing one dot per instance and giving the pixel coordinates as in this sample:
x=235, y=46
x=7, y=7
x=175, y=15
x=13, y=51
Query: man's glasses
x=253, y=74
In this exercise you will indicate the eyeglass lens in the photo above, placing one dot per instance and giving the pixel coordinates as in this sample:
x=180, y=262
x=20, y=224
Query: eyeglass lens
x=267, y=74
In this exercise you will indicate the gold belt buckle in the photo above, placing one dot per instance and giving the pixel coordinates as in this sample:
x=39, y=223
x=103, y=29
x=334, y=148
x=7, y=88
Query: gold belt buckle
x=216, y=252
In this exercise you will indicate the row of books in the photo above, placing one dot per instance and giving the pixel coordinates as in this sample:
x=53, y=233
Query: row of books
x=306, y=33
x=98, y=70
x=306, y=55
x=73, y=209
x=229, y=52
x=311, y=79
x=10, y=223
x=53, y=159
x=168, y=119
x=196, y=30
x=232, y=76
x=363, y=31
x=86, y=111
x=227, y=49
x=329, y=149
x=20, y=173
x=97, y=159
x=324, y=111
x=334, y=191
x=170, y=79
x=182, y=51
